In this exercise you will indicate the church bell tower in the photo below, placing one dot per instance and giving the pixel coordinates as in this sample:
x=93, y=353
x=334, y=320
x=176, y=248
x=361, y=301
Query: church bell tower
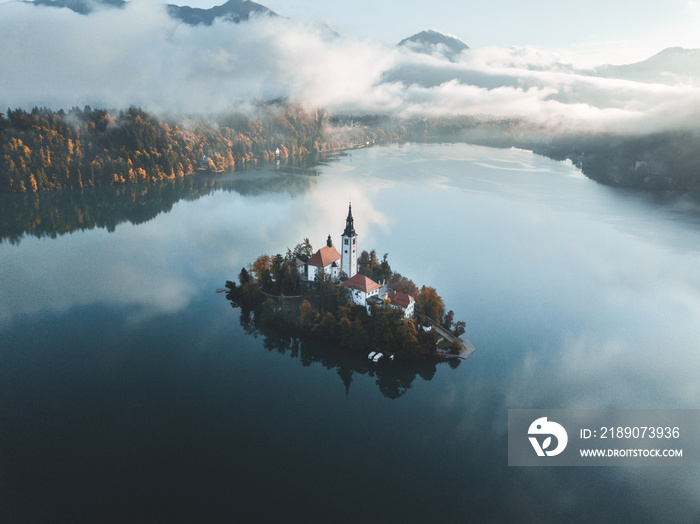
x=348, y=255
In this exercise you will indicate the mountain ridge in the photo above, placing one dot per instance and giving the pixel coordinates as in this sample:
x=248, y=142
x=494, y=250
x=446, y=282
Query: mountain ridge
x=82, y=7
x=670, y=65
x=234, y=11
x=433, y=42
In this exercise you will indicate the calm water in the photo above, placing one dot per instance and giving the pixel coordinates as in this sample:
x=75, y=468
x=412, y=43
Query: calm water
x=130, y=392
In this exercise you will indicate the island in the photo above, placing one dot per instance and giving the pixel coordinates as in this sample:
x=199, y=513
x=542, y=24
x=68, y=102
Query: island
x=350, y=300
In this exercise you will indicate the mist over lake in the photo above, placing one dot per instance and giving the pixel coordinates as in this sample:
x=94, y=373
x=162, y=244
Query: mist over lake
x=131, y=392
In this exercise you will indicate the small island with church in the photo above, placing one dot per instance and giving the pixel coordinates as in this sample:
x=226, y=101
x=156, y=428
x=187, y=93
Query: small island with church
x=356, y=302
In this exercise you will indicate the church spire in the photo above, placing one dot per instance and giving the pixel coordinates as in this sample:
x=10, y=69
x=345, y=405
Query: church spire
x=349, y=223
x=348, y=260
x=329, y=242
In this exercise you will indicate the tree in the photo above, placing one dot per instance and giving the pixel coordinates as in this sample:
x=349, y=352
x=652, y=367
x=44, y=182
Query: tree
x=327, y=293
x=261, y=268
x=428, y=341
x=368, y=264
x=302, y=251
x=327, y=328
x=373, y=262
x=243, y=276
x=363, y=263
x=244, y=295
x=343, y=295
x=384, y=272
x=408, y=339
x=402, y=285
x=279, y=271
x=449, y=317
x=430, y=304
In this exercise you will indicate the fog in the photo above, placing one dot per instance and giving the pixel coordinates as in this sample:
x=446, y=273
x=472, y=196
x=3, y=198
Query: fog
x=115, y=58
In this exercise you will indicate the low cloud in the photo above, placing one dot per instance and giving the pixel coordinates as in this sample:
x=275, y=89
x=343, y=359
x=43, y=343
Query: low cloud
x=140, y=56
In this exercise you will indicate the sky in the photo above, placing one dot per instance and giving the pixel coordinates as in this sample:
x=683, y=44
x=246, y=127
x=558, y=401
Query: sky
x=524, y=62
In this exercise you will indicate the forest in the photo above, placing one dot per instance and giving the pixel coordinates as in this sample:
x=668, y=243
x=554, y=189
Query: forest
x=44, y=150
x=667, y=160
x=273, y=301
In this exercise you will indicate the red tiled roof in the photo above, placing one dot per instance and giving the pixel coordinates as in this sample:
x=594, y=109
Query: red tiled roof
x=400, y=299
x=324, y=257
x=361, y=283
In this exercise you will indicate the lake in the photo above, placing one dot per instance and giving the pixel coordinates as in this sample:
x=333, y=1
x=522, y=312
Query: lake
x=130, y=391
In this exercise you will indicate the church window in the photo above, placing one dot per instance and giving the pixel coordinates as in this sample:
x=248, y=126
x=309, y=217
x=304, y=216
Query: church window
x=346, y=242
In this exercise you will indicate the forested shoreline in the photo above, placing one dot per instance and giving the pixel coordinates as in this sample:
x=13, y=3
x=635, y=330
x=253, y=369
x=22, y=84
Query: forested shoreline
x=662, y=161
x=44, y=150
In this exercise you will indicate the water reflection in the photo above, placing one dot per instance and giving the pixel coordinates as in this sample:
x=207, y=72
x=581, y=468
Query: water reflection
x=54, y=213
x=393, y=378
x=577, y=295
x=212, y=225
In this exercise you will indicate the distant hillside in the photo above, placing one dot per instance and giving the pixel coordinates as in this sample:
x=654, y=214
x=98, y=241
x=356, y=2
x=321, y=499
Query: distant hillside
x=232, y=11
x=433, y=42
x=83, y=7
x=668, y=160
x=670, y=66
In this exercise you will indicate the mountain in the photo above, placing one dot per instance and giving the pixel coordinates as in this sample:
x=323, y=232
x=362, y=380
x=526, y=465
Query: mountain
x=433, y=42
x=232, y=11
x=671, y=66
x=82, y=7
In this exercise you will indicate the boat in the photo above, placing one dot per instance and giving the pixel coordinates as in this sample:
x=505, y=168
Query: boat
x=371, y=355
x=377, y=357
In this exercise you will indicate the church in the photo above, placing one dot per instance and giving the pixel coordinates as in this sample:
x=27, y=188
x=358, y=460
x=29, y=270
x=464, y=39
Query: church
x=328, y=260
x=363, y=290
x=325, y=259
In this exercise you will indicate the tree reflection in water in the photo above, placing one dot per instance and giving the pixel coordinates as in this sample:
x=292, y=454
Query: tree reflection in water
x=54, y=213
x=393, y=378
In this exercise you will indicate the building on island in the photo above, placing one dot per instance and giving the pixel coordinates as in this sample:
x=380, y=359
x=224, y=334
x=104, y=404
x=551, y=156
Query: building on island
x=363, y=290
x=329, y=260
x=402, y=301
x=325, y=259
